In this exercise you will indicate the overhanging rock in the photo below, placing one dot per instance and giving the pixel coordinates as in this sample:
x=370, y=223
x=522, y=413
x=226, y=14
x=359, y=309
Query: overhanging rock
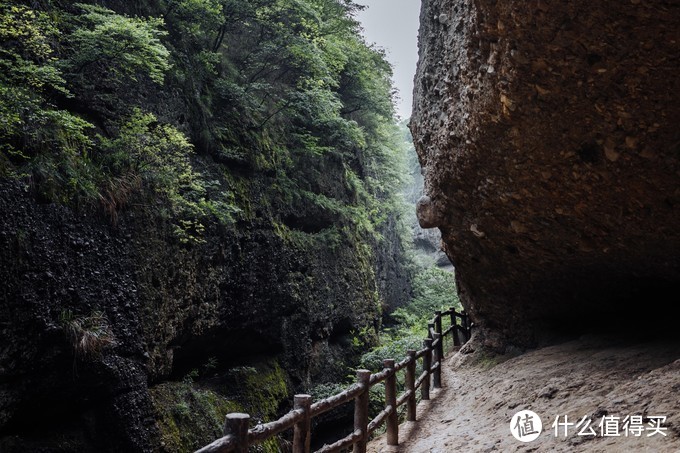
x=548, y=133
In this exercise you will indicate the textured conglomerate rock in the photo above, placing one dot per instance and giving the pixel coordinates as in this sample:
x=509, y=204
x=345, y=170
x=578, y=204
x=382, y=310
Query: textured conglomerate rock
x=548, y=133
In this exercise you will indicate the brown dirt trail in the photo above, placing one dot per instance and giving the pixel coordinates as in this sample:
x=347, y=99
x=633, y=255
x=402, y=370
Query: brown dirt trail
x=592, y=377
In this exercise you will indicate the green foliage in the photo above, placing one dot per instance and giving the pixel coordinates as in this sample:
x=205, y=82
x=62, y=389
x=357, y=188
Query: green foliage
x=327, y=389
x=196, y=20
x=261, y=388
x=273, y=84
x=158, y=152
x=188, y=417
x=109, y=47
x=434, y=289
x=160, y=156
x=260, y=111
x=30, y=125
x=392, y=347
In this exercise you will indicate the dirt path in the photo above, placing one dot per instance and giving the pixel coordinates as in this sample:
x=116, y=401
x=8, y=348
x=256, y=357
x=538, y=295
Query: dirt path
x=592, y=377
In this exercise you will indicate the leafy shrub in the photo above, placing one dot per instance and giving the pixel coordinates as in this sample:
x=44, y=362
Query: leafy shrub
x=392, y=347
x=109, y=47
x=156, y=155
x=433, y=289
x=30, y=125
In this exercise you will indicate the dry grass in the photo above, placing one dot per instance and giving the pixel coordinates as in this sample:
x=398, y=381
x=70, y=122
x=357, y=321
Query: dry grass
x=118, y=192
x=90, y=334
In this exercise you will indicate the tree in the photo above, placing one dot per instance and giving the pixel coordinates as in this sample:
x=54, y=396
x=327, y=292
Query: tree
x=106, y=47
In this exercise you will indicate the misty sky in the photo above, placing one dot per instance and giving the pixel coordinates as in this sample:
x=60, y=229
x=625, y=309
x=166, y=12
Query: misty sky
x=393, y=25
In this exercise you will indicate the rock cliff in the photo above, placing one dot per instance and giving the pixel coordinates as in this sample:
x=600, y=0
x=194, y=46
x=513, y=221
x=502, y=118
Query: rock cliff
x=548, y=136
x=194, y=216
x=245, y=295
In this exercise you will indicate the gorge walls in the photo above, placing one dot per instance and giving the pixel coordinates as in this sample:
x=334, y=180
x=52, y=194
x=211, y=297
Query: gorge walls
x=548, y=136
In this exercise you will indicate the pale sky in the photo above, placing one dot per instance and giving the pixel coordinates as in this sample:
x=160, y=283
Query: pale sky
x=393, y=25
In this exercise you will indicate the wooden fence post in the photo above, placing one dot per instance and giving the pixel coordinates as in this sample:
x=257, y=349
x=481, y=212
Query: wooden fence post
x=303, y=429
x=466, y=324
x=411, y=386
x=437, y=378
x=236, y=425
x=454, y=322
x=430, y=330
x=361, y=410
x=427, y=364
x=392, y=423
x=438, y=329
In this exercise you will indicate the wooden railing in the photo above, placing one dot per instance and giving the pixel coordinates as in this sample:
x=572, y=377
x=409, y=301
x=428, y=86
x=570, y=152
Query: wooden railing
x=237, y=435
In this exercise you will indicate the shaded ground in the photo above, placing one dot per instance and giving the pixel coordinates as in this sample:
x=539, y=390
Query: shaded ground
x=593, y=377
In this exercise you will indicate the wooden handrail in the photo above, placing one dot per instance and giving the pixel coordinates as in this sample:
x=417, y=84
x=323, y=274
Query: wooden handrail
x=421, y=353
x=404, y=397
x=420, y=380
x=403, y=364
x=380, y=418
x=379, y=377
x=334, y=401
x=264, y=431
x=237, y=436
x=342, y=443
x=223, y=444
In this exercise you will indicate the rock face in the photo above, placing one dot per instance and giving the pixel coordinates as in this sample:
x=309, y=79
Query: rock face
x=193, y=224
x=548, y=135
x=172, y=310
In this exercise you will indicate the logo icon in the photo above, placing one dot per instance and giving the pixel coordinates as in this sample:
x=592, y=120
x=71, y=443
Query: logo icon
x=526, y=426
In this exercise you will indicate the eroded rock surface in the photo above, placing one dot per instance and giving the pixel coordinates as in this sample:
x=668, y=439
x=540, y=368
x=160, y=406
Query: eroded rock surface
x=548, y=134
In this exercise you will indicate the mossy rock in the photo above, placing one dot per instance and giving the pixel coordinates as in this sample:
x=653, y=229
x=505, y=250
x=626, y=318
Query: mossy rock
x=188, y=417
x=261, y=389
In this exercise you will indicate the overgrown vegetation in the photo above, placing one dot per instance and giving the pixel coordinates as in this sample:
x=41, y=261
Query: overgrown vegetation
x=209, y=115
x=90, y=112
x=434, y=289
x=89, y=335
x=188, y=415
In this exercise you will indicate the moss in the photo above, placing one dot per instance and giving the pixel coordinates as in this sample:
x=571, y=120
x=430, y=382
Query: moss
x=240, y=191
x=261, y=390
x=486, y=361
x=187, y=417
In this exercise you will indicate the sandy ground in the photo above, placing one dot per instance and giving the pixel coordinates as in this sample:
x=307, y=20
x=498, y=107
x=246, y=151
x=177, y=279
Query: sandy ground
x=592, y=377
